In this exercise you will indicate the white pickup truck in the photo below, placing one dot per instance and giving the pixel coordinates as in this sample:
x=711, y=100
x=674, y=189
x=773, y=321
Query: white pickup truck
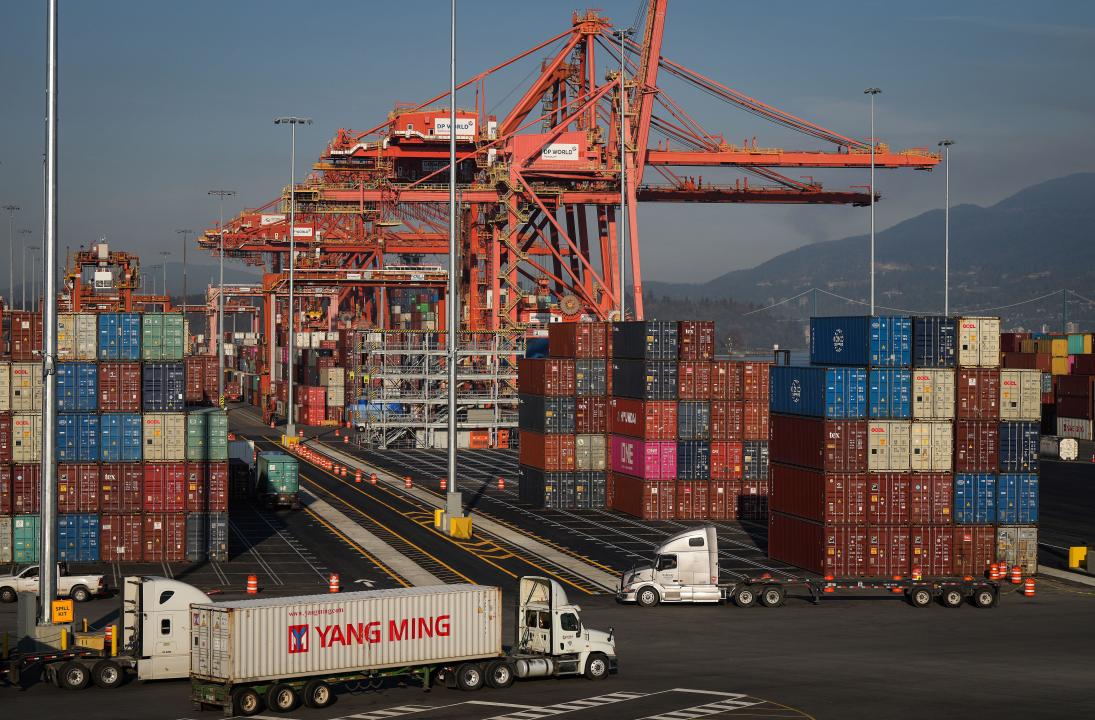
x=80, y=588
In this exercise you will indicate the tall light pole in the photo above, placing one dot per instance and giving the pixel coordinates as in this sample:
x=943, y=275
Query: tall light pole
x=185, y=234
x=35, y=256
x=221, y=195
x=12, y=209
x=454, y=505
x=24, y=232
x=165, y=254
x=872, y=91
x=622, y=35
x=292, y=121
x=946, y=145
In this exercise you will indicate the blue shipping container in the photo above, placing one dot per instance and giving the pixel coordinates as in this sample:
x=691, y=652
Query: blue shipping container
x=1019, y=446
x=1017, y=498
x=121, y=437
x=974, y=498
x=78, y=538
x=163, y=387
x=861, y=340
x=120, y=336
x=891, y=341
x=77, y=438
x=890, y=393
x=77, y=387
x=693, y=460
x=818, y=391
x=935, y=338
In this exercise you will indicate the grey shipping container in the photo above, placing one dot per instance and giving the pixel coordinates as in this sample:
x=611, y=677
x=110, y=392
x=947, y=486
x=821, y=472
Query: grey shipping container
x=644, y=380
x=591, y=376
x=589, y=489
x=755, y=460
x=694, y=420
x=207, y=537
x=549, y=415
x=1018, y=545
x=5, y=539
x=589, y=452
x=645, y=340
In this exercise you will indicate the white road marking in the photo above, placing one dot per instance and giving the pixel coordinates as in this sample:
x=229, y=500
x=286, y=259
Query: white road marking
x=699, y=711
x=391, y=712
x=573, y=706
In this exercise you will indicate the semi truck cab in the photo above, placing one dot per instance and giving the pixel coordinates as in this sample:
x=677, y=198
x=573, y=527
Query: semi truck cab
x=551, y=638
x=685, y=569
x=155, y=626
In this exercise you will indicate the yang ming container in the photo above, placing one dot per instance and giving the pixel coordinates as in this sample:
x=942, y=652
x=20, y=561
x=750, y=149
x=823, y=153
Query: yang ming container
x=645, y=340
x=644, y=380
x=836, y=393
x=554, y=415
x=833, y=445
x=1019, y=446
x=935, y=341
x=650, y=420
x=889, y=393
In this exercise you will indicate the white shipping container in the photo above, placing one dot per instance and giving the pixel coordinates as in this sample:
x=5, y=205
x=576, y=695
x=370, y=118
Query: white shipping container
x=332, y=376
x=26, y=437
x=1018, y=546
x=164, y=436
x=318, y=338
x=979, y=342
x=888, y=445
x=589, y=452
x=5, y=540
x=332, y=336
x=933, y=394
x=77, y=336
x=1078, y=428
x=1020, y=395
x=302, y=340
x=26, y=387
x=255, y=640
x=932, y=446
x=336, y=396
x=5, y=386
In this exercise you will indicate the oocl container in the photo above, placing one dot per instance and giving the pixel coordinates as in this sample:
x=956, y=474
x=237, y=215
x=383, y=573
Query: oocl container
x=26, y=387
x=1078, y=428
x=121, y=437
x=1020, y=395
x=120, y=387
x=77, y=336
x=935, y=341
x=931, y=446
x=979, y=342
x=933, y=394
x=5, y=387
x=649, y=420
x=889, y=393
x=837, y=393
x=26, y=438
x=828, y=497
x=549, y=452
x=974, y=498
x=649, y=460
x=78, y=488
x=888, y=445
x=164, y=437
x=645, y=340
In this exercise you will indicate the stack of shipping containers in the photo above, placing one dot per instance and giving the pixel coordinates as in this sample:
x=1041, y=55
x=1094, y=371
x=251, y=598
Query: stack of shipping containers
x=903, y=448
x=323, y=386
x=1067, y=368
x=139, y=478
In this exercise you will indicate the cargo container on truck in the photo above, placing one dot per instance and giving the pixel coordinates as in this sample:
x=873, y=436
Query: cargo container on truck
x=276, y=480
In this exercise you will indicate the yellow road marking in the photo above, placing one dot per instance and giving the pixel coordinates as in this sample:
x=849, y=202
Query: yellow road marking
x=362, y=551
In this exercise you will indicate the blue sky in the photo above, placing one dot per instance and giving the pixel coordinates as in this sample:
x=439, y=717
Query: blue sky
x=162, y=101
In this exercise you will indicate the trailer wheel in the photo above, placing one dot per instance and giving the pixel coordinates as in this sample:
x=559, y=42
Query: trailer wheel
x=80, y=594
x=317, y=694
x=73, y=676
x=596, y=667
x=744, y=596
x=499, y=674
x=984, y=597
x=772, y=596
x=107, y=674
x=920, y=597
x=246, y=702
x=469, y=676
x=647, y=597
x=281, y=697
x=7, y=595
x=951, y=598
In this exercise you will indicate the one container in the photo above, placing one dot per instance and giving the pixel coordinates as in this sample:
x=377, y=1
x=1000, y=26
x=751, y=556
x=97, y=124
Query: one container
x=645, y=340
x=833, y=445
x=829, y=497
x=78, y=438
x=1018, y=546
x=121, y=437
x=931, y=498
x=931, y=446
x=931, y=550
x=693, y=460
x=933, y=394
x=649, y=460
x=728, y=420
x=164, y=437
x=693, y=420
x=888, y=445
x=691, y=499
x=163, y=387
x=974, y=548
x=976, y=446
x=1020, y=395
x=888, y=550
x=645, y=380
x=207, y=537
x=696, y=339
x=888, y=498
x=934, y=341
x=206, y=487
x=589, y=452
x=546, y=376
x=26, y=438
x=546, y=414
x=120, y=336
x=120, y=387
x=836, y=550
x=554, y=453
x=726, y=380
x=1017, y=498
x=649, y=420
x=26, y=387
x=77, y=336
x=838, y=393
x=78, y=488
x=694, y=380
x=1019, y=446
x=121, y=537
x=78, y=537
x=164, y=536
x=979, y=342
x=120, y=486
x=727, y=459
x=579, y=339
x=25, y=536
x=591, y=377
x=77, y=387
x=590, y=415
x=207, y=435
x=889, y=393
x=645, y=499
x=974, y=498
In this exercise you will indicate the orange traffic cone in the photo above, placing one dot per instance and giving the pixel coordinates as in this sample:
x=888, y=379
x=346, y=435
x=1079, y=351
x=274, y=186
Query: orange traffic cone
x=332, y=583
x=444, y=483
x=406, y=481
x=357, y=476
x=252, y=584
x=1016, y=575
x=501, y=483
x=372, y=478
x=1028, y=587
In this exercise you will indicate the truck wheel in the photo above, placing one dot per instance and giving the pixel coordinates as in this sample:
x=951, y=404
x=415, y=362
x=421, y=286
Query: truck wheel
x=647, y=597
x=596, y=667
x=469, y=676
x=772, y=596
x=7, y=595
x=281, y=697
x=80, y=594
x=984, y=597
x=951, y=598
x=317, y=694
x=246, y=702
x=920, y=597
x=107, y=674
x=499, y=674
x=745, y=597
x=73, y=676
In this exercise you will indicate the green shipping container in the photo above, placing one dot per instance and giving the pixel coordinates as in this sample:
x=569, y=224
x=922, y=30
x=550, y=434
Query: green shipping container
x=163, y=336
x=277, y=474
x=24, y=539
x=207, y=435
x=1079, y=344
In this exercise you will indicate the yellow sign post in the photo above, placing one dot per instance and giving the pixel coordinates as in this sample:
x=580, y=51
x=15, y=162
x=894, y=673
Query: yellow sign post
x=61, y=611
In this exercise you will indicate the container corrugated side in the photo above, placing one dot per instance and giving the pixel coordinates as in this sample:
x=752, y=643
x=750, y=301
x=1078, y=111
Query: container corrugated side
x=833, y=445
x=840, y=340
x=839, y=393
x=255, y=640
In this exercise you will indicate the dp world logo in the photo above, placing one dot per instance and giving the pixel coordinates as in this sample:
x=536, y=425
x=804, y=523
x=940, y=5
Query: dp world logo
x=298, y=639
x=796, y=391
x=838, y=340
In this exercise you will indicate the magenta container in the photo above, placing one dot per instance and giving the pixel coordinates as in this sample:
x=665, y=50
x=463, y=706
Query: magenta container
x=646, y=459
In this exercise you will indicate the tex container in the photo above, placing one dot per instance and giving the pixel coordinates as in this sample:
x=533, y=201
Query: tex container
x=207, y=537
x=25, y=537
x=163, y=336
x=649, y=420
x=878, y=341
x=645, y=379
x=974, y=498
x=78, y=488
x=121, y=437
x=693, y=460
x=121, y=537
x=754, y=460
x=552, y=376
x=696, y=339
x=1018, y=546
x=644, y=499
x=888, y=445
x=829, y=497
x=120, y=487
x=1017, y=498
x=78, y=537
x=120, y=336
x=78, y=438
x=77, y=387
x=579, y=339
x=164, y=537
x=163, y=387
x=935, y=341
x=826, y=549
x=838, y=393
x=591, y=377
x=549, y=452
x=120, y=387
x=277, y=474
x=552, y=415
x=646, y=459
x=833, y=445
x=77, y=336
x=207, y=435
x=1019, y=445
x=164, y=437
x=232, y=642
x=889, y=393
x=933, y=394
x=645, y=340
x=1020, y=395
x=693, y=420
x=978, y=342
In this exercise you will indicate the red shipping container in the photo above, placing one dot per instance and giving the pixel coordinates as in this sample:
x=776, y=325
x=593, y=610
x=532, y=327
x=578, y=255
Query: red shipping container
x=120, y=387
x=121, y=487
x=78, y=488
x=835, y=445
x=649, y=420
x=590, y=414
x=727, y=459
x=1075, y=407
x=974, y=549
x=976, y=446
x=978, y=393
x=645, y=499
x=833, y=498
x=726, y=380
x=695, y=340
x=1083, y=365
x=26, y=336
x=888, y=498
x=728, y=420
x=753, y=500
x=942, y=498
x=195, y=379
x=207, y=487
x=920, y=496
x=5, y=438
x=837, y=550
x=888, y=551
x=693, y=380
x=5, y=489
x=692, y=499
x=120, y=537
x=1081, y=386
x=1011, y=342
x=1027, y=361
x=722, y=499
x=163, y=487
x=210, y=378
x=931, y=550
x=579, y=339
x=754, y=380
x=552, y=376
x=554, y=453
x=755, y=426
x=164, y=538
x=26, y=489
